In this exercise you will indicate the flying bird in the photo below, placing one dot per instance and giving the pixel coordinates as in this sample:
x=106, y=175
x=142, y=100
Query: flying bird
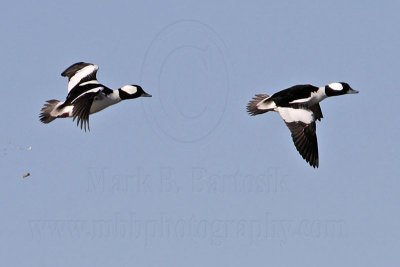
x=86, y=96
x=299, y=108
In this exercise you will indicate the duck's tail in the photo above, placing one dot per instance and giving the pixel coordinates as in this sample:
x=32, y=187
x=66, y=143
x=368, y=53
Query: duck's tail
x=254, y=107
x=46, y=111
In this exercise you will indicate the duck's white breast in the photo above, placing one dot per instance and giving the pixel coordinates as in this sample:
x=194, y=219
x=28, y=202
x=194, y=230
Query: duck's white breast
x=101, y=102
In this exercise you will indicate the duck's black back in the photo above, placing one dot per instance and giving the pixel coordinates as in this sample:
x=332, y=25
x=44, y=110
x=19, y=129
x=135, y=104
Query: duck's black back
x=282, y=98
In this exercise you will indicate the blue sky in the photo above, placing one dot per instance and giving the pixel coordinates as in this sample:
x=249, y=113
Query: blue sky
x=187, y=178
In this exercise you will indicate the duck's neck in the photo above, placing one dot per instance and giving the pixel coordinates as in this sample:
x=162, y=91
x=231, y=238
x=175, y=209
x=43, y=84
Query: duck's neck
x=115, y=96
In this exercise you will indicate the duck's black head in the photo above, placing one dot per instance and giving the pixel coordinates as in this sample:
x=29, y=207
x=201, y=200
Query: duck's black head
x=340, y=88
x=132, y=91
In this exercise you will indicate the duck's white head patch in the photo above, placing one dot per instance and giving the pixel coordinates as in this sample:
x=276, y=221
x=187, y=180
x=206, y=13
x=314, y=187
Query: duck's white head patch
x=130, y=89
x=336, y=86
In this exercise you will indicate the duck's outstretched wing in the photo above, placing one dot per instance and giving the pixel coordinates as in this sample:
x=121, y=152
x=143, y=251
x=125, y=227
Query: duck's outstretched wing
x=305, y=139
x=81, y=109
x=301, y=123
x=81, y=80
x=79, y=73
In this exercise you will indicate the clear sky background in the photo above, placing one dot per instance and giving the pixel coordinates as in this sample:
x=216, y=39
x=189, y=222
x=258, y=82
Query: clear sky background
x=187, y=178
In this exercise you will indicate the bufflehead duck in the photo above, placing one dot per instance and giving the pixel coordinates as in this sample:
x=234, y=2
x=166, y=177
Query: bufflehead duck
x=86, y=96
x=299, y=108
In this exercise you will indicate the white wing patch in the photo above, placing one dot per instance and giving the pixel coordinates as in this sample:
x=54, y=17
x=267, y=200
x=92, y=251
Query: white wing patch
x=89, y=82
x=292, y=115
x=80, y=74
x=315, y=97
x=302, y=100
x=94, y=90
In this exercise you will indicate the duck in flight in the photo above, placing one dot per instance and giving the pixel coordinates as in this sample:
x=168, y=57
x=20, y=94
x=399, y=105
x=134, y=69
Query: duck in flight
x=86, y=96
x=299, y=108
